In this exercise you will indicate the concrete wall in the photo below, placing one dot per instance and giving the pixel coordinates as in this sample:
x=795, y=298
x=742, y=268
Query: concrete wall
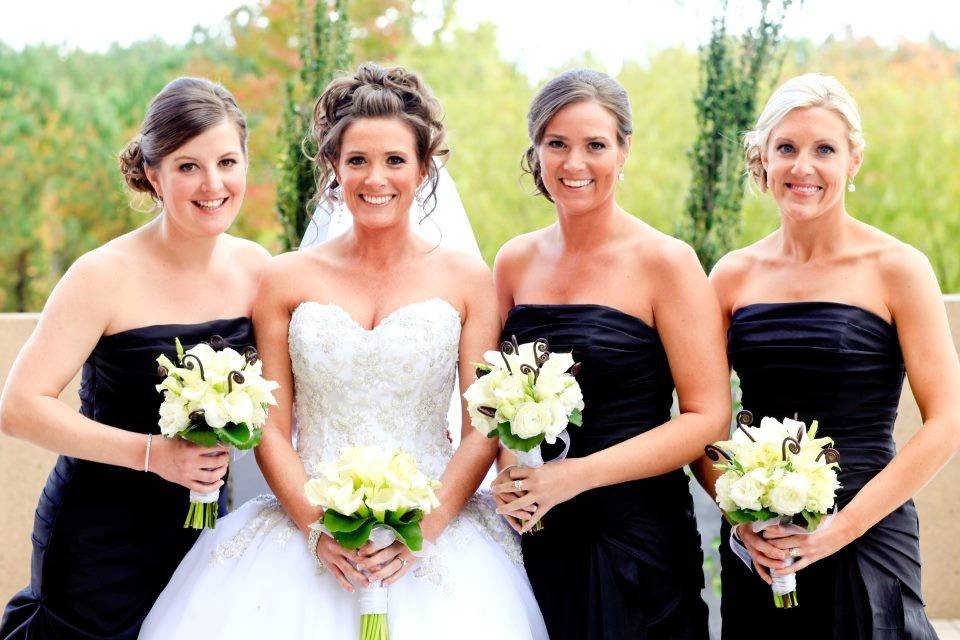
x=24, y=467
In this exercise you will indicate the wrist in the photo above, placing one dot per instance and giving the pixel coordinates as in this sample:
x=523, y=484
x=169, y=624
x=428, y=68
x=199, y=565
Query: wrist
x=583, y=472
x=849, y=524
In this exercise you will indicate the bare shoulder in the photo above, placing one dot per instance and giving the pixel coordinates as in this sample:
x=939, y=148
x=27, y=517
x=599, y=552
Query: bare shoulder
x=464, y=268
x=661, y=253
x=900, y=265
x=519, y=249
x=247, y=252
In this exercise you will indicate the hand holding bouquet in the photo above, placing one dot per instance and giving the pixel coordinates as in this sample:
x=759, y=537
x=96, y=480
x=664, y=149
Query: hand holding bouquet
x=213, y=395
x=369, y=494
x=776, y=474
x=524, y=395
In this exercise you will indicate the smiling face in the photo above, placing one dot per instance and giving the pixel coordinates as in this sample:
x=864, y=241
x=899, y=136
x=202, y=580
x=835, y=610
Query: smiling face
x=580, y=159
x=378, y=170
x=808, y=161
x=202, y=183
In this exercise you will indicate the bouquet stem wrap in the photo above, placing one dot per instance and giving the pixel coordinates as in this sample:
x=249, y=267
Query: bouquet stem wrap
x=784, y=587
x=202, y=513
x=534, y=458
x=373, y=599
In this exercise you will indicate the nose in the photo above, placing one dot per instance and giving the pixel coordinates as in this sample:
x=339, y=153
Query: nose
x=803, y=165
x=213, y=181
x=575, y=161
x=376, y=178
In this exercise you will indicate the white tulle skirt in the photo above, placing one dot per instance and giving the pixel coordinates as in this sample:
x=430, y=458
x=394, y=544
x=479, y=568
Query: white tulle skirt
x=253, y=577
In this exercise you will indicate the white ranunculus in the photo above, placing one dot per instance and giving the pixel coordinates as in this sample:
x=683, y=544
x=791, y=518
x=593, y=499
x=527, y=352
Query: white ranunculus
x=558, y=421
x=748, y=490
x=723, y=485
x=572, y=398
x=789, y=496
x=174, y=416
x=532, y=419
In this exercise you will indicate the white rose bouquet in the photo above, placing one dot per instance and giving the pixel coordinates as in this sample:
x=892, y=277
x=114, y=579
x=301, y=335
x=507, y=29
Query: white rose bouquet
x=524, y=395
x=779, y=473
x=214, y=395
x=370, y=494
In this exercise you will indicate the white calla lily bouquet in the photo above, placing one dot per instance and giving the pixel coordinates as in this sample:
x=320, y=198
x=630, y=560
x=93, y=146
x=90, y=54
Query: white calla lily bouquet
x=377, y=495
x=778, y=473
x=526, y=395
x=213, y=395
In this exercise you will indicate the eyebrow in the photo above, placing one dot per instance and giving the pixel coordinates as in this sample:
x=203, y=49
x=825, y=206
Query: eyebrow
x=820, y=141
x=192, y=159
x=588, y=138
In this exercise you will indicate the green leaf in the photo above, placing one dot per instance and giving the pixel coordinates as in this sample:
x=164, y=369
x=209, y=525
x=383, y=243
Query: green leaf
x=411, y=535
x=576, y=418
x=180, y=351
x=813, y=519
x=336, y=522
x=355, y=539
x=516, y=443
x=200, y=434
x=239, y=436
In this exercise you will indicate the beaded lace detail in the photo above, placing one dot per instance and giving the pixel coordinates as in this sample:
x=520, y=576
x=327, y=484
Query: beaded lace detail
x=389, y=387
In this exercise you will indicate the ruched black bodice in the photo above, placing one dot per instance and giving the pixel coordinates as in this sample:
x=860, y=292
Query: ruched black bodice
x=106, y=539
x=622, y=561
x=842, y=366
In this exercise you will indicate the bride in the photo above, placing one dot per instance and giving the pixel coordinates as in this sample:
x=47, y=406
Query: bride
x=364, y=333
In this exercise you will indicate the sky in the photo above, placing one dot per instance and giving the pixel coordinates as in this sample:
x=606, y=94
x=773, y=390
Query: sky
x=536, y=34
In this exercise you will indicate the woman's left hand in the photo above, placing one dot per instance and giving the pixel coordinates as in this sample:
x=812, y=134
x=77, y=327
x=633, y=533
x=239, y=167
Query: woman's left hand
x=824, y=542
x=388, y=564
x=545, y=487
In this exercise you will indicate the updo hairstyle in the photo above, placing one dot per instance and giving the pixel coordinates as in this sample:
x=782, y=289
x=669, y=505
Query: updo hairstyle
x=375, y=92
x=577, y=85
x=801, y=92
x=184, y=109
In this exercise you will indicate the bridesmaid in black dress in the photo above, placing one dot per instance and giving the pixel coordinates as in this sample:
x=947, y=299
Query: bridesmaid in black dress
x=619, y=555
x=825, y=316
x=107, y=536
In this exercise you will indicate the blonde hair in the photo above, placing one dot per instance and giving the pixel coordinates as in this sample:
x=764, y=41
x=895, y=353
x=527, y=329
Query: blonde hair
x=801, y=92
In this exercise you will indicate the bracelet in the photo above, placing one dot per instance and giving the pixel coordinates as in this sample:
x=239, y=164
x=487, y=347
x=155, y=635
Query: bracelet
x=312, y=541
x=146, y=458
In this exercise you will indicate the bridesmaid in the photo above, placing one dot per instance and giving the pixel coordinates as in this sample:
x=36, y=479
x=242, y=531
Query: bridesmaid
x=825, y=315
x=619, y=555
x=108, y=530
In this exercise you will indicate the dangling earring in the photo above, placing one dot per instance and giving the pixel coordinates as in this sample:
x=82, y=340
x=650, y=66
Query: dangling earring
x=419, y=198
x=851, y=187
x=621, y=177
x=338, y=205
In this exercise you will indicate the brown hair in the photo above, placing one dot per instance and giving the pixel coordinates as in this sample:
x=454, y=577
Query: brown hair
x=375, y=92
x=184, y=109
x=577, y=85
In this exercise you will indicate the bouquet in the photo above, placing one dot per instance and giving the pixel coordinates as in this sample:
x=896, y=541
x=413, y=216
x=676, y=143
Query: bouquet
x=779, y=473
x=524, y=395
x=214, y=395
x=370, y=494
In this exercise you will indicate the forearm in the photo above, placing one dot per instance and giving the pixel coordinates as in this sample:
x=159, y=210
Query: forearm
x=464, y=473
x=705, y=473
x=910, y=470
x=652, y=453
x=50, y=423
x=284, y=472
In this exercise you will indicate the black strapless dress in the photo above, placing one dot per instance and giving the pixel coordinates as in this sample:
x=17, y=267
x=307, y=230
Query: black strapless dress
x=840, y=365
x=106, y=539
x=622, y=561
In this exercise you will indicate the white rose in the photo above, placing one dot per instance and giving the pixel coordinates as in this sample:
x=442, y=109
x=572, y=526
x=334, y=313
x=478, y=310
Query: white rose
x=558, y=422
x=789, y=496
x=747, y=490
x=532, y=419
x=572, y=398
x=723, y=485
x=174, y=416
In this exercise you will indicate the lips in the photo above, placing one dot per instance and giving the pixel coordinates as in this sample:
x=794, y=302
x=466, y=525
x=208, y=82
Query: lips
x=575, y=184
x=804, y=189
x=210, y=205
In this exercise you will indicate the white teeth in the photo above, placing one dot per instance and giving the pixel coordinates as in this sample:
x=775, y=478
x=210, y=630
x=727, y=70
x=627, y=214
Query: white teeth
x=376, y=199
x=576, y=183
x=804, y=189
x=211, y=204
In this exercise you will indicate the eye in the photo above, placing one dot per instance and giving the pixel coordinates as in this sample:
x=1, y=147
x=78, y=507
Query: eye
x=186, y=167
x=825, y=149
x=355, y=161
x=785, y=148
x=228, y=162
x=597, y=146
x=555, y=144
x=395, y=160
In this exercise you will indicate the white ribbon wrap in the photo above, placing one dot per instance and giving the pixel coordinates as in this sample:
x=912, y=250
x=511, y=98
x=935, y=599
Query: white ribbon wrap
x=204, y=498
x=534, y=458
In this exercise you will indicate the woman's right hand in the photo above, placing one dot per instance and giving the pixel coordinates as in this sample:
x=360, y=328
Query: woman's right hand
x=765, y=556
x=197, y=468
x=342, y=563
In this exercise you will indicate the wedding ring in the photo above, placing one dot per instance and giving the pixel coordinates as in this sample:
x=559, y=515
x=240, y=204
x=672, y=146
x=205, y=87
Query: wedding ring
x=794, y=552
x=358, y=567
x=403, y=562
x=518, y=485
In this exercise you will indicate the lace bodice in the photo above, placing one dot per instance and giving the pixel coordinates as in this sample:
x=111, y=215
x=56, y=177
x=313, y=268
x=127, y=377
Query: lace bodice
x=388, y=387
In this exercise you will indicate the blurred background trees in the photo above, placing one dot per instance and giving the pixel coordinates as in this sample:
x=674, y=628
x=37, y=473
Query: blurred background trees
x=64, y=115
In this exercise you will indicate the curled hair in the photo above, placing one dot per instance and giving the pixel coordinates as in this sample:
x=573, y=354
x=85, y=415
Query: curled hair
x=183, y=109
x=801, y=92
x=577, y=85
x=376, y=92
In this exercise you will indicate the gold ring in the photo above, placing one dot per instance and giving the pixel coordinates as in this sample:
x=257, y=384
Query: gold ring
x=518, y=485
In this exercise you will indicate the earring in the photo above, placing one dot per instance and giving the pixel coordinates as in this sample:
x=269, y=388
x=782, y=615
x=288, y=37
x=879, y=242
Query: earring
x=851, y=187
x=621, y=177
x=338, y=206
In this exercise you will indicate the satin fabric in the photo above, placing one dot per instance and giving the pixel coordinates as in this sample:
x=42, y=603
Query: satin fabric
x=106, y=539
x=842, y=366
x=621, y=561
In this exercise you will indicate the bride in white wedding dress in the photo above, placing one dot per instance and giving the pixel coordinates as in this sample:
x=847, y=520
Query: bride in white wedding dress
x=364, y=333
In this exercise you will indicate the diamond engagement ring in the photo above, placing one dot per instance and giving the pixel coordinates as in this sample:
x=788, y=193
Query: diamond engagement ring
x=518, y=485
x=403, y=562
x=794, y=552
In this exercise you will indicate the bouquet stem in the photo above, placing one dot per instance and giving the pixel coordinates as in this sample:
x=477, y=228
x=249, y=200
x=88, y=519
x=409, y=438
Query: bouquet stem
x=203, y=510
x=373, y=626
x=785, y=601
x=785, y=589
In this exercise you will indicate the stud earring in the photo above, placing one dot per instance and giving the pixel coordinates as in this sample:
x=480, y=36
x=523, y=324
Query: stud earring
x=621, y=177
x=338, y=205
x=851, y=187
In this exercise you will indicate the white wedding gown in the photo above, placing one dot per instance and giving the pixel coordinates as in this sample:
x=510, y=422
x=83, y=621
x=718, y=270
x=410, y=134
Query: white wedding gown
x=253, y=577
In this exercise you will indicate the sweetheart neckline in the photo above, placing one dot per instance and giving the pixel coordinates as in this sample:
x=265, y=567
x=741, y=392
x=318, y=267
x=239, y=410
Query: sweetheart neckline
x=385, y=319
